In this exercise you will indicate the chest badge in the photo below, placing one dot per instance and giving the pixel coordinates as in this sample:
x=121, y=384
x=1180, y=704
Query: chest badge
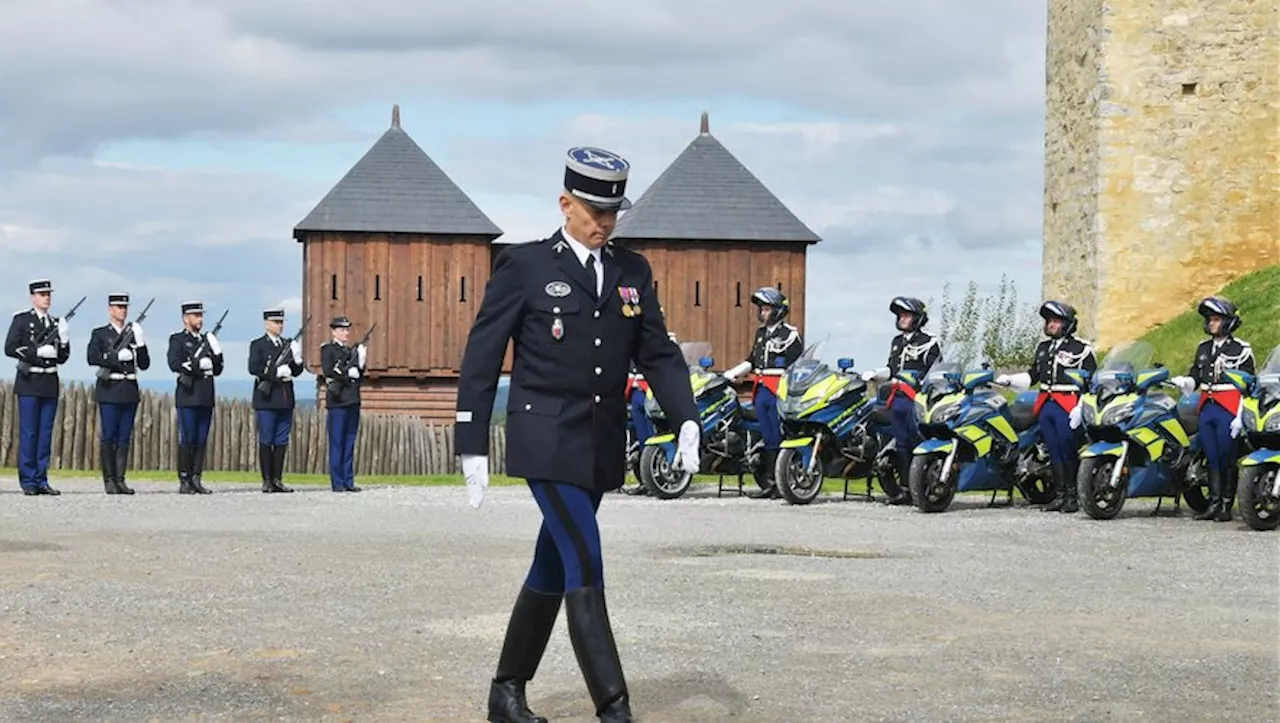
x=557, y=329
x=630, y=296
x=557, y=289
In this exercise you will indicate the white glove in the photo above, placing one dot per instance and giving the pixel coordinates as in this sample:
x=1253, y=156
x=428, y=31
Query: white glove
x=475, y=468
x=206, y=363
x=295, y=346
x=879, y=375
x=361, y=356
x=687, y=447
x=138, y=338
x=48, y=351
x=737, y=371
x=214, y=347
x=284, y=372
x=1002, y=380
x=1077, y=416
x=1186, y=384
x=125, y=355
x=1237, y=427
x=353, y=373
x=868, y=376
x=64, y=335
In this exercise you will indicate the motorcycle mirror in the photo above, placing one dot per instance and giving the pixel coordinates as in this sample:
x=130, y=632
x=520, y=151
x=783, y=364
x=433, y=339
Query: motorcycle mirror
x=706, y=362
x=845, y=364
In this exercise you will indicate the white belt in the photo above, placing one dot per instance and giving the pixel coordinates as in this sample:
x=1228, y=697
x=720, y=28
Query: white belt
x=43, y=370
x=1059, y=388
x=1220, y=387
x=117, y=376
x=772, y=372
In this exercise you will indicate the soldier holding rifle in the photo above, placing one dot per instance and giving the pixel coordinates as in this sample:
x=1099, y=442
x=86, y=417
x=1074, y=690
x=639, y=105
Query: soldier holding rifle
x=119, y=350
x=343, y=369
x=274, y=362
x=196, y=358
x=40, y=343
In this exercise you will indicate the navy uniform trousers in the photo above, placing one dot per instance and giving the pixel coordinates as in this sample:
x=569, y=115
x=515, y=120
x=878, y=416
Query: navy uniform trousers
x=567, y=555
x=274, y=426
x=35, y=440
x=342, y=425
x=117, y=422
x=1215, y=436
x=1059, y=437
x=766, y=406
x=194, y=424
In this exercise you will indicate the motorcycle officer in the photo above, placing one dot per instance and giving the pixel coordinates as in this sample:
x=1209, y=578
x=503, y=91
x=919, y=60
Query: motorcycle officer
x=1058, y=405
x=1220, y=401
x=777, y=345
x=910, y=350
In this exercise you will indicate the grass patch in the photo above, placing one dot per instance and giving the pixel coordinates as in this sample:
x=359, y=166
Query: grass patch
x=1257, y=295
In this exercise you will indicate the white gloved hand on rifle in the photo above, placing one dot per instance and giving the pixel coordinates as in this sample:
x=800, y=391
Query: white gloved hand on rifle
x=125, y=354
x=353, y=373
x=206, y=363
x=362, y=354
x=138, y=338
x=214, y=347
x=295, y=346
x=64, y=334
x=687, y=447
x=475, y=469
x=284, y=372
x=48, y=351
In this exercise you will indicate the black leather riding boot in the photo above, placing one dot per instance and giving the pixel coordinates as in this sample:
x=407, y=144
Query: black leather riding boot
x=1070, y=488
x=1230, y=479
x=769, y=487
x=904, y=480
x=122, y=465
x=1215, y=496
x=185, y=453
x=278, y=454
x=265, y=461
x=107, y=452
x=197, y=469
x=1057, y=473
x=597, y=653
x=532, y=619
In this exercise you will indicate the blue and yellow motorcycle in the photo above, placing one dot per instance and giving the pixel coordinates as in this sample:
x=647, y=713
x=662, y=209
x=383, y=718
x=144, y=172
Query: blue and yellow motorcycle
x=1258, y=491
x=828, y=428
x=1140, y=441
x=970, y=440
x=731, y=442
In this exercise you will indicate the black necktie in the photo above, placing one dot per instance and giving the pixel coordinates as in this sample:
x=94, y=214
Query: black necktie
x=591, y=274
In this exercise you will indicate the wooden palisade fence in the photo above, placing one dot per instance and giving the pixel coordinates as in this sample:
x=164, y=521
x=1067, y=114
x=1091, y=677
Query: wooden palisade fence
x=387, y=444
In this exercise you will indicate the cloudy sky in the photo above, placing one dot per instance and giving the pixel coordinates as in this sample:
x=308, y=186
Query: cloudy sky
x=168, y=149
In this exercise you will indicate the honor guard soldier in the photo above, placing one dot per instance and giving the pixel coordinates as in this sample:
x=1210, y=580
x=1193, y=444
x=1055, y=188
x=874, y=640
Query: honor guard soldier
x=40, y=343
x=777, y=345
x=119, y=351
x=343, y=369
x=579, y=311
x=1220, y=400
x=273, y=363
x=196, y=358
x=911, y=350
x=1058, y=406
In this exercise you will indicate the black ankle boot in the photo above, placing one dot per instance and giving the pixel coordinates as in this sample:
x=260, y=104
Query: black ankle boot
x=904, y=482
x=532, y=619
x=107, y=452
x=1057, y=473
x=185, y=453
x=1070, y=488
x=1215, y=497
x=597, y=653
x=278, y=454
x=1229, y=481
x=122, y=464
x=768, y=487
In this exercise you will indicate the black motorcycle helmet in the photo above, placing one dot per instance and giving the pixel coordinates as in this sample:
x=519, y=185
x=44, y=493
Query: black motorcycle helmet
x=1217, y=305
x=776, y=301
x=1058, y=310
x=909, y=305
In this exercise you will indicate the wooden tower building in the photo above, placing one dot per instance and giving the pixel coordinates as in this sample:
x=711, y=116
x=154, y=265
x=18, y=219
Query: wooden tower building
x=398, y=244
x=713, y=234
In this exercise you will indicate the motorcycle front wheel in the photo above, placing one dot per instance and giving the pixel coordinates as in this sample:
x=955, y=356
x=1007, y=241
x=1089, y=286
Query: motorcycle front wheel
x=657, y=474
x=1257, y=506
x=796, y=484
x=929, y=491
x=1098, y=498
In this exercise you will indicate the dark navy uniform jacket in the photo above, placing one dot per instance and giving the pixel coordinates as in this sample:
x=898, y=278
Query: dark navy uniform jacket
x=914, y=352
x=342, y=390
x=36, y=377
x=1054, y=357
x=781, y=342
x=182, y=345
x=566, y=421
x=120, y=385
x=263, y=353
x=1209, y=364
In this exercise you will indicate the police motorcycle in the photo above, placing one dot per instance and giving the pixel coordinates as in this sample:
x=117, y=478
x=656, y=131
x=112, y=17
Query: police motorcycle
x=1258, y=491
x=828, y=427
x=731, y=443
x=971, y=440
x=635, y=385
x=1140, y=441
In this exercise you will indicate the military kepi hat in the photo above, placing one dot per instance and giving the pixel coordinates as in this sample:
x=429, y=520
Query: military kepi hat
x=273, y=314
x=40, y=286
x=117, y=299
x=193, y=307
x=340, y=322
x=597, y=176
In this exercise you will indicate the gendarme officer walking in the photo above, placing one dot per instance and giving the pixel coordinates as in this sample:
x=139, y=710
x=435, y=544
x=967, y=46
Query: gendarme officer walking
x=343, y=369
x=40, y=343
x=273, y=363
x=196, y=358
x=119, y=350
x=579, y=311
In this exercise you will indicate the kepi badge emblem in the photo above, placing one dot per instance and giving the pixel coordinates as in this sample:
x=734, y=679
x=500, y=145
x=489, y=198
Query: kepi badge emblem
x=557, y=289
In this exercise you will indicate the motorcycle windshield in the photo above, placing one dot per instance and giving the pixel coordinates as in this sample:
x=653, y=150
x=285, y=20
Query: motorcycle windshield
x=804, y=374
x=694, y=351
x=943, y=378
x=1269, y=375
x=1122, y=363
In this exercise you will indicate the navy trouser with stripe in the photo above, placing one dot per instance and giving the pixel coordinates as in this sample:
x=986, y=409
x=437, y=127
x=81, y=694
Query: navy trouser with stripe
x=1215, y=436
x=567, y=555
x=1059, y=437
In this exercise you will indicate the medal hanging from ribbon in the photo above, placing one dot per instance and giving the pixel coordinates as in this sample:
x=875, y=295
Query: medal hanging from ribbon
x=630, y=300
x=557, y=329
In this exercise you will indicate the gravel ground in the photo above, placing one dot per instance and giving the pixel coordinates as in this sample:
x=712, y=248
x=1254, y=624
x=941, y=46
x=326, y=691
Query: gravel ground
x=390, y=605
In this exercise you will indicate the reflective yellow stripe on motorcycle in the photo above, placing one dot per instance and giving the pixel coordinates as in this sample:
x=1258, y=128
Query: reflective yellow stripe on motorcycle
x=1254, y=462
x=1144, y=377
x=1003, y=427
x=941, y=404
x=797, y=442
x=1148, y=438
x=976, y=436
x=660, y=439
x=1174, y=427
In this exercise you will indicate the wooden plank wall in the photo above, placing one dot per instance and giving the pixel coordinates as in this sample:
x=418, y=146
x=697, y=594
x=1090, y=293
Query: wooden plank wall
x=430, y=399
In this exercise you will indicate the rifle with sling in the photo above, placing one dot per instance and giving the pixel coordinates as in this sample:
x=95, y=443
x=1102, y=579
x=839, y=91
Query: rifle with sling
x=126, y=336
x=343, y=364
x=266, y=380
x=49, y=334
x=184, y=380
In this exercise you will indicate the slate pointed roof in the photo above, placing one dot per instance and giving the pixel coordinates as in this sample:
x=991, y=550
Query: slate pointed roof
x=396, y=188
x=706, y=194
